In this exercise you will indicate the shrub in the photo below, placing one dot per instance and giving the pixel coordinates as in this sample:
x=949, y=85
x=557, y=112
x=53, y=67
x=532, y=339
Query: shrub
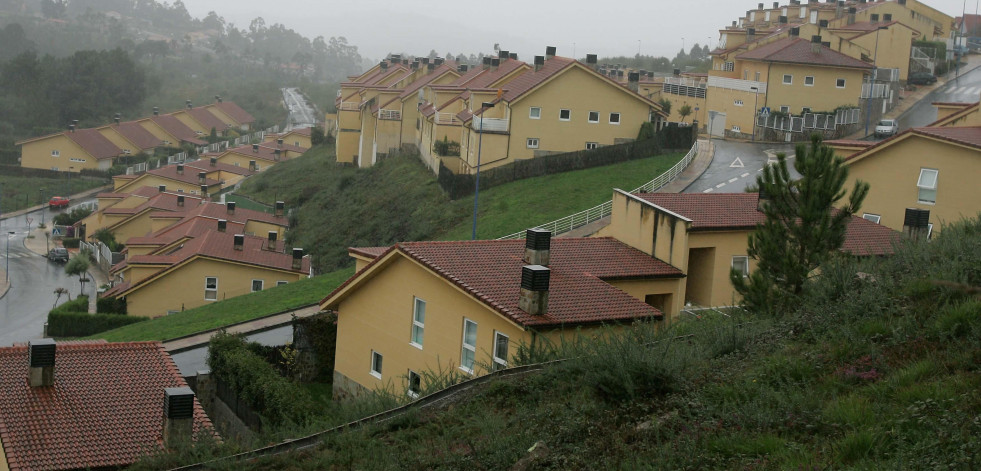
x=67, y=219
x=110, y=306
x=70, y=242
x=69, y=322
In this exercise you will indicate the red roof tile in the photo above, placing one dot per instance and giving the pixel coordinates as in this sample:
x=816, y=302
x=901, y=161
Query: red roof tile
x=849, y=142
x=189, y=175
x=207, y=118
x=490, y=270
x=138, y=135
x=105, y=408
x=177, y=129
x=966, y=135
x=795, y=50
x=425, y=79
x=531, y=79
x=265, y=151
x=204, y=165
x=235, y=112
x=97, y=145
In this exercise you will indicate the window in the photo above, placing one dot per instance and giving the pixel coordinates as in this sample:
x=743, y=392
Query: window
x=535, y=112
x=296, y=143
x=805, y=109
x=418, y=322
x=532, y=143
x=256, y=285
x=500, y=351
x=872, y=217
x=376, y=364
x=736, y=128
x=927, y=183
x=211, y=288
x=840, y=83
x=729, y=66
x=565, y=115
x=281, y=283
x=809, y=81
x=785, y=109
x=415, y=384
x=171, y=312
x=614, y=118
x=469, y=351
x=594, y=116
x=56, y=153
x=740, y=264
x=76, y=159
x=788, y=79
x=738, y=102
x=591, y=145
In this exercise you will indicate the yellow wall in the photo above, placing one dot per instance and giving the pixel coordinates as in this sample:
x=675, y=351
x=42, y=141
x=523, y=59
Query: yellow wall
x=168, y=139
x=116, y=138
x=136, y=226
x=823, y=96
x=713, y=274
x=892, y=173
x=191, y=123
x=639, y=289
x=292, y=138
x=151, y=180
x=737, y=105
x=894, y=48
x=224, y=117
x=183, y=287
x=242, y=160
x=37, y=154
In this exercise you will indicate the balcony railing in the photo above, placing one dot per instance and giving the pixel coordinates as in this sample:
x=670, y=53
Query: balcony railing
x=393, y=115
x=447, y=118
x=490, y=124
x=736, y=84
x=350, y=106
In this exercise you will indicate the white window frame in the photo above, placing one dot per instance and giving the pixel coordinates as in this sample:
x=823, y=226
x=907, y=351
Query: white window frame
x=921, y=186
x=617, y=122
x=729, y=66
x=501, y=362
x=808, y=77
x=262, y=284
x=532, y=143
x=376, y=367
x=872, y=217
x=788, y=79
x=736, y=128
x=408, y=384
x=840, y=81
x=471, y=348
x=417, y=323
x=737, y=102
x=745, y=260
x=592, y=145
x=56, y=153
x=532, y=114
x=785, y=109
x=589, y=117
x=568, y=112
x=214, y=290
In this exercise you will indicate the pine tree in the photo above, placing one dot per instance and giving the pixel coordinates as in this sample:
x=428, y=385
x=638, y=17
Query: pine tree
x=801, y=230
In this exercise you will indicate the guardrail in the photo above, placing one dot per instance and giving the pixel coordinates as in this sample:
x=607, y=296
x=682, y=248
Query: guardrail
x=601, y=211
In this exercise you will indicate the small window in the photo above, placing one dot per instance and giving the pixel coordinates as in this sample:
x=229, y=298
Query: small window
x=281, y=283
x=785, y=109
x=532, y=143
x=805, y=109
x=565, y=115
x=872, y=217
x=415, y=384
x=840, y=83
x=738, y=102
x=591, y=145
x=614, y=118
x=535, y=112
x=56, y=153
x=468, y=353
x=211, y=288
x=741, y=265
x=729, y=66
x=171, y=312
x=757, y=76
x=418, y=322
x=736, y=128
x=594, y=116
x=296, y=143
x=809, y=81
x=376, y=364
x=788, y=79
x=500, y=351
x=927, y=183
x=256, y=285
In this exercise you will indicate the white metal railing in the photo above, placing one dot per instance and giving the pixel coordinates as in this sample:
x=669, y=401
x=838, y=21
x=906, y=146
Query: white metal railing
x=394, y=115
x=447, y=118
x=568, y=223
x=879, y=90
x=736, y=84
x=685, y=82
x=886, y=75
x=349, y=106
x=490, y=124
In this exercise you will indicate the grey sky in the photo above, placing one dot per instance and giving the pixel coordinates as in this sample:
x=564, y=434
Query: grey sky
x=524, y=26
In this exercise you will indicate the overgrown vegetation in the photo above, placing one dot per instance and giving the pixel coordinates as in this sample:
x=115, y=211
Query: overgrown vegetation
x=71, y=217
x=72, y=319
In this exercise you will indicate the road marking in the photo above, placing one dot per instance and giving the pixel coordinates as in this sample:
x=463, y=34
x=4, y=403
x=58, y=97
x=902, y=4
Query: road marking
x=760, y=170
x=709, y=190
x=738, y=163
x=957, y=91
x=972, y=91
x=733, y=179
x=744, y=175
x=720, y=185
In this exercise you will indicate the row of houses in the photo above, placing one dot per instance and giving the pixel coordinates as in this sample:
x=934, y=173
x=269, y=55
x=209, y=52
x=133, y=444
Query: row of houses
x=504, y=110
x=77, y=149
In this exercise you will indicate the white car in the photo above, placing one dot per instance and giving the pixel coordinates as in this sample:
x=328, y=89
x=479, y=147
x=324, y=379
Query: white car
x=886, y=127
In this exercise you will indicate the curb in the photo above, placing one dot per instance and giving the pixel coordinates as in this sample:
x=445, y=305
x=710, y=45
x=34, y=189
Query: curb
x=702, y=172
x=84, y=194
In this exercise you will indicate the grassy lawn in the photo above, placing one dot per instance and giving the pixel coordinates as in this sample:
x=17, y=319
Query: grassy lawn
x=231, y=311
x=23, y=192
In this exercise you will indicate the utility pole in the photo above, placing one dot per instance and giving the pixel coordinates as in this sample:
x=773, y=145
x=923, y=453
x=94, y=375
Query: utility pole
x=480, y=140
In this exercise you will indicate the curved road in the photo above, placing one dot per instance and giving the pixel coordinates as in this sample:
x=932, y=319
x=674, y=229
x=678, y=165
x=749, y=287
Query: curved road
x=735, y=165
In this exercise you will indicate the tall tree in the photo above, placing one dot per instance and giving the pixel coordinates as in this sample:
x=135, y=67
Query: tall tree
x=802, y=228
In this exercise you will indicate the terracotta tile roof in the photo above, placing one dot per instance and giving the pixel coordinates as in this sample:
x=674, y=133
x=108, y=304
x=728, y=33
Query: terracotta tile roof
x=798, y=51
x=426, y=79
x=849, y=143
x=207, y=118
x=490, y=270
x=966, y=135
x=112, y=195
x=187, y=227
x=235, y=112
x=190, y=175
x=204, y=165
x=104, y=410
x=175, y=128
x=159, y=202
x=266, y=150
x=971, y=108
x=863, y=26
x=138, y=135
x=97, y=145
x=864, y=238
x=307, y=131
x=531, y=79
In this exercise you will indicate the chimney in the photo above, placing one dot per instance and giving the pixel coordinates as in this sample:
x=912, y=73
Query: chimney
x=425, y=60
x=41, y=362
x=204, y=191
x=887, y=17
x=384, y=65
x=916, y=224
x=75, y=123
x=187, y=103
x=538, y=243
x=874, y=18
x=902, y=2
x=217, y=99
x=116, y=119
x=414, y=66
x=202, y=178
x=71, y=128
x=503, y=55
x=462, y=68
x=851, y=15
x=633, y=81
x=162, y=188
x=214, y=161
x=549, y=52
x=816, y=44
x=762, y=198
x=238, y=240
x=180, y=169
x=230, y=207
x=180, y=201
x=750, y=34
x=676, y=72
x=297, y=258
x=619, y=75
x=280, y=208
x=252, y=165
x=776, y=5
x=222, y=225
x=591, y=61
x=156, y=111
x=782, y=20
x=513, y=56
x=272, y=240
x=795, y=31
x=539, y=63
x=495, y=63
x=839, y=8
x=486, y=63
x=533, y=297
x=178, y=416
x=759, y=6
x=279, y=142
x=430, y=66
x=255, y=147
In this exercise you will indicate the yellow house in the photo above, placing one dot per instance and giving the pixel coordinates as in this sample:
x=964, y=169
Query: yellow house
x=232, y=114
x=130, y=137
x=957, y=114
x=258, y=157
x=468, y=306
x=932, y=169
x=201, y=120
x=171, y=130
x=69, y=151
x=210, y=267
x=297, y=137
x=888, y=42
x=126, y=221
x=179, y=178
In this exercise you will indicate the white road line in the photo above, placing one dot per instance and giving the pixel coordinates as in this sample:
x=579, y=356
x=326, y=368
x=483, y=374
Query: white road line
x=957, y=91
x=973, y=91
x=744, y=175
x=709, y=190
x=733, y=179
x=720, y=185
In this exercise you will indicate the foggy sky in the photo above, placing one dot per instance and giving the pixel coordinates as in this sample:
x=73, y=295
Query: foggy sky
x=522, y=26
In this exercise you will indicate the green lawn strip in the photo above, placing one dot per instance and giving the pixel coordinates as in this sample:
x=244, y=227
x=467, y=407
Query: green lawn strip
x=231, y=311
x=23, y=192
x=518, y=205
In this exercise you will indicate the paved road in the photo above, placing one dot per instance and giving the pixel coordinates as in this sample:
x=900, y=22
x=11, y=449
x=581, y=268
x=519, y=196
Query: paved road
x=24, y=309
x=966, y=89
x=735, y=166
x=301, y=115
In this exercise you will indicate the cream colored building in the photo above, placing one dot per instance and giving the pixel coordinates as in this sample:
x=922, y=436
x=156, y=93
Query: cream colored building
x=69, y=151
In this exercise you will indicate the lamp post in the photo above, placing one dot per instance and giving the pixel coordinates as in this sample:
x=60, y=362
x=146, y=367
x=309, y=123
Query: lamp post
x=875, y=55
x=42, y=206
x=7, y=269
x=756, y=97
x=480, y=141
x=70, y=170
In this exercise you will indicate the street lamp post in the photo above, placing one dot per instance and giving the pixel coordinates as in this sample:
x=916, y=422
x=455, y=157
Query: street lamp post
x=875, y=55
x=70, y=170
x=480, y=140
x=756, y=97
x=7, y=269
x=42, y=206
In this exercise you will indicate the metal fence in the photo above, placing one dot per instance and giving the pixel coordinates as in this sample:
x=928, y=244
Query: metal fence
x=601, y=211
x=829, y=122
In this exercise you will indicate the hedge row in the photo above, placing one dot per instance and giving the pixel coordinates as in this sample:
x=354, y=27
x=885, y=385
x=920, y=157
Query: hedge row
x=670, y=138
x=81, y=324
x=15, y=170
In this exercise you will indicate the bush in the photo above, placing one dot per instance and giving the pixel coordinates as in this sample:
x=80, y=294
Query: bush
x=70, y=242
x=72, y=319
x=110, y=306
x=68, y=219
x=447, y=148
x=77, y=305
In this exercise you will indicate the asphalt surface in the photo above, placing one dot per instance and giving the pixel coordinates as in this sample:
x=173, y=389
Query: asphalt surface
x=964, y=89
x=300, y=115
x=33, y=279
x=736, y=165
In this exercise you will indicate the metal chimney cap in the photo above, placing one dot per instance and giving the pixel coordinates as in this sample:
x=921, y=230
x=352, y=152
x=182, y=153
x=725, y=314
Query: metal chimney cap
x=41, y=352
x=179, y=403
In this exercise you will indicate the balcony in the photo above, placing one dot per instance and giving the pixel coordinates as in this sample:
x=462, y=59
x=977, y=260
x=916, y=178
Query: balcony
x=736, y=84
x=390, y=115
x=685, y=87
x=447, y=118
x=349, y=106
x=490, y=124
